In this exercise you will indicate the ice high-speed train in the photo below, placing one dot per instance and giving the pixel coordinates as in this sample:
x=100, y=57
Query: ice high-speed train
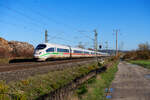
x=48, y=50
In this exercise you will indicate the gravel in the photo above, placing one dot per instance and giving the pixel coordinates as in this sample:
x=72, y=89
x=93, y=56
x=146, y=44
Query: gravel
x=22, y=74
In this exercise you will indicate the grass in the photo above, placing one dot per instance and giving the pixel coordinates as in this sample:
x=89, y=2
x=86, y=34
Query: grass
x=4, y=60
x=144, y=63
x=95, y=87
x=15, y=60
x=82, y=89
x=39, y=85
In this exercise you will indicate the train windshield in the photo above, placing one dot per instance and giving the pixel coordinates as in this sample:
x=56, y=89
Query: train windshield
x=40, y=46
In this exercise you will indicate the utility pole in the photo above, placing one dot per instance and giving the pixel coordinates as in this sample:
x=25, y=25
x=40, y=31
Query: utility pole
x=106, y=47
x=95, y=44
x=46, y=36
x=116, y=32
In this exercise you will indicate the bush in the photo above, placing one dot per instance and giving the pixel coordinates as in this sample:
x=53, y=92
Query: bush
x=137, y=55
x=82, y=89
x=143, y=52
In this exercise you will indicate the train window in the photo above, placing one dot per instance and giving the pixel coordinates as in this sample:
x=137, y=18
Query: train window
x=40, y=46
x=86, y=52
x=62, y=50
x=50, y=50
x=65, y=50
x=77, y=51
x=59, y=50
x=93, y=52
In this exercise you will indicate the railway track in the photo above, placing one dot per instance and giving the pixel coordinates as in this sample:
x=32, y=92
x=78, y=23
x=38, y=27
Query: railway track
x=21, y=71
x=28, y=65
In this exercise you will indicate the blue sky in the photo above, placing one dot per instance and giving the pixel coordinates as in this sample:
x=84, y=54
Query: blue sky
x=72, y=21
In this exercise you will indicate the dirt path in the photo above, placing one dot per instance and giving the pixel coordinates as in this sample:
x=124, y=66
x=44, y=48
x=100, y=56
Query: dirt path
x=130, y=83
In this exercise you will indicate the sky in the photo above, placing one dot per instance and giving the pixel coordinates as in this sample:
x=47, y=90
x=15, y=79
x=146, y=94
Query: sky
x=72, y=21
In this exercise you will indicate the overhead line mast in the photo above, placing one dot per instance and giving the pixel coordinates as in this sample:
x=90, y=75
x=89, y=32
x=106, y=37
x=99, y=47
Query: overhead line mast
x=116, y=32
x=46, y=36
x=96, y=44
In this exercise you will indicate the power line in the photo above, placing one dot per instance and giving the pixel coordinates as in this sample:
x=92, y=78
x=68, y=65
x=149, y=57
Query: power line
x=86, y=35
x=52, y=19
x=22, y=14
x=25, y=27
x=4, y=34
x=13, y=24
x=55, y=36
x=32, y=19
x=57, y=22
x=65, y=40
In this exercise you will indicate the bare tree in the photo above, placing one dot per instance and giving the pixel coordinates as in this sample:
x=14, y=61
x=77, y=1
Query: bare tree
x=144, y=46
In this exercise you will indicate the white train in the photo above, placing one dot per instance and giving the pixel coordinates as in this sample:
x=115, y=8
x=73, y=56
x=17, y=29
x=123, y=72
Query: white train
x=47, y=50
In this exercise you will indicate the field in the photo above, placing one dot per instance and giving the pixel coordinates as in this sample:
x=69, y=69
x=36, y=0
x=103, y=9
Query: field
x=144, y=63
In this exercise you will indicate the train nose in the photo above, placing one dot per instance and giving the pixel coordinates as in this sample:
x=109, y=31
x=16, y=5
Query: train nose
x=37, y=54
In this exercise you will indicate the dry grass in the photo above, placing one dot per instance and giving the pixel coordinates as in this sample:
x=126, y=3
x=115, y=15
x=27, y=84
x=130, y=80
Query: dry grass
x=4, y=60
x=137, y=55
x=102, y=81
x=39, y=85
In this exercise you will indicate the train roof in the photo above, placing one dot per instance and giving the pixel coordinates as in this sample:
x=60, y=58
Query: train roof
x=58, y=45
x=65, y=46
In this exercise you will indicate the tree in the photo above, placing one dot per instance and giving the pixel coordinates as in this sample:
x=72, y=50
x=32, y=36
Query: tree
x=144, y=46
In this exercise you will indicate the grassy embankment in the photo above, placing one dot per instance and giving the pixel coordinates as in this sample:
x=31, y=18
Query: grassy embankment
x=94, y=88
x=144, y=63
x=15, y=60
x=39, y=85
x=4, y=60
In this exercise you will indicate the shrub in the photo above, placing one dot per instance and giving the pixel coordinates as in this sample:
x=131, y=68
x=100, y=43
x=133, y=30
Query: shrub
x=143, y=52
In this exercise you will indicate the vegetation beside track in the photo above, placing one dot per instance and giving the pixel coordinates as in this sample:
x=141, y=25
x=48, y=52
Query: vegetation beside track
x=15, y=60
x=143, y=63
x=4, y=60
x=39, y=85
x=94, y=88
x=142, y=53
